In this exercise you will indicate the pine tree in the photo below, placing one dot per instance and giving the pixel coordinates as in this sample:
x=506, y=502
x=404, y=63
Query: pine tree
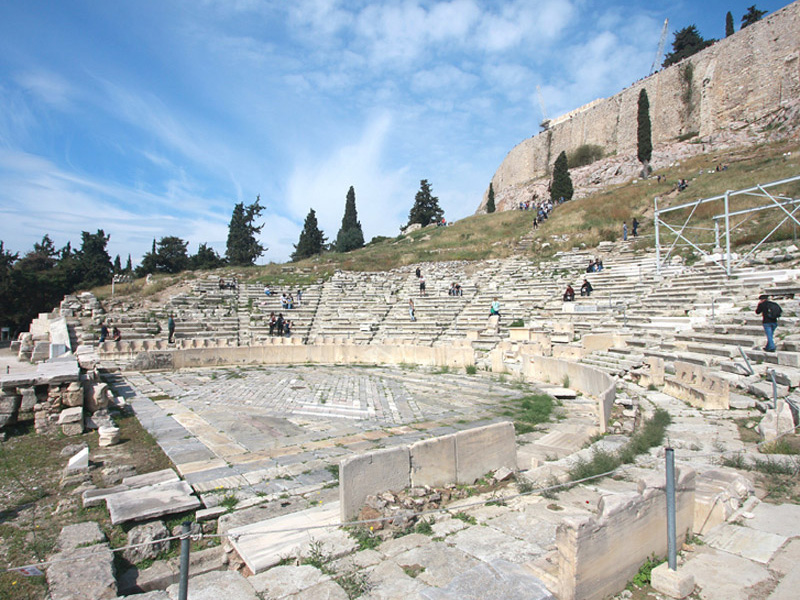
x=426, y=206
x=171, y=256
x=129, y=265
x=729, y=30
x=753, y=15
x=311, y=239
x=350, y=236
x=561, y=187
x=644, y=142
x=687, y=42
x=242, y=247
x=490, y=199
x=117, y=264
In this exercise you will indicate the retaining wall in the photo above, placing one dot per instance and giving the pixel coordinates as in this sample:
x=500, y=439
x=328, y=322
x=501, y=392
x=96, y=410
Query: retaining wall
x=461, y=457
x=157, y=358
x=583, y=378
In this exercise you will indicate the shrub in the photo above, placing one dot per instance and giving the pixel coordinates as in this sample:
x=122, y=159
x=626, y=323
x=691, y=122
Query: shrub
x=584, y=155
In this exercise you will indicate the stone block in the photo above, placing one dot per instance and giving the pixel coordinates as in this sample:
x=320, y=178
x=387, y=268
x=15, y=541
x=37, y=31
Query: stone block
x=86, y=573
x=73, y=396
x=71, y=421
x=148, y=542
x=433, y=461
x=9, y=407
x=372, y=473
x=484, y=449
x=79, y=462
x=675, y=584
x=776, y=422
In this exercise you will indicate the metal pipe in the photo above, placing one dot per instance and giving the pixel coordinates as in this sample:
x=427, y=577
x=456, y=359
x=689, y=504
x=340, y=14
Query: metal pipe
x=656, y=218
x=183, y=585
x=747, y=362
x=672, y=550
x=727, y=234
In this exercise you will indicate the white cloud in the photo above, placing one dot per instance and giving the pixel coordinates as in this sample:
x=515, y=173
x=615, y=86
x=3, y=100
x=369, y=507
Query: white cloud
x=49, y=87
x=321, y=183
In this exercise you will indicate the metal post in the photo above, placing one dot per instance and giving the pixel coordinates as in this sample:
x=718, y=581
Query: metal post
x=747, y=362
x=183, y=586
x=716, y=235
x=774, y=389
x=712, y=309
x=671, y=538
x=658, y=239
x=727, y=234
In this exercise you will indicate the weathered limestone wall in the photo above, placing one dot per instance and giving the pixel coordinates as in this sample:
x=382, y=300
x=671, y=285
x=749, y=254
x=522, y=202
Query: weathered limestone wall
x=598, y=555
x=461, y=457
x=740, y=80
x=457, y=357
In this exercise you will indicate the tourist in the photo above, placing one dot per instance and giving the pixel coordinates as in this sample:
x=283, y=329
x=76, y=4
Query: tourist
x=458, y=290
x=221, y=283
x=116, y=335
x=279, y=322
x=586, y=288
x=299, y=296
x=598, y=265
x=592, y=266
x=624, y=231
x=171, y=329
x=272, y=323
x=284, y=301
x=267, y=291
x=770, y=312
x=103, y=332
x=635, y=226
x=421, y=285
x=419, y=273
x=287, y=328
x=569, y=294
x=411, y=309
x=495, y=308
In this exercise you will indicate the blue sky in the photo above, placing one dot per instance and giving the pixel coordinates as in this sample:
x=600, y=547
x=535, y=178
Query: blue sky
x=152, y=118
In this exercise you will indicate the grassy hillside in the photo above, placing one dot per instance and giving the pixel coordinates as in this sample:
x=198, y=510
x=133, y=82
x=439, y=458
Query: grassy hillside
x=586, y=221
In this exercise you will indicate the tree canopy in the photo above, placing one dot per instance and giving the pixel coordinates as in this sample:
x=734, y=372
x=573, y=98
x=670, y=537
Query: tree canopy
x=752, y=15
x=561, y=186
x=311, y=239
x=206, y=258
x=94, y=263
x=243, y=248
x=644, y=142
x=350, y=236
x=729, y=29
x=426, y=206
x=687, y=42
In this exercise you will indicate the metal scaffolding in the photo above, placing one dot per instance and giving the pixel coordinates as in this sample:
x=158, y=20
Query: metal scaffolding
x=774, y=200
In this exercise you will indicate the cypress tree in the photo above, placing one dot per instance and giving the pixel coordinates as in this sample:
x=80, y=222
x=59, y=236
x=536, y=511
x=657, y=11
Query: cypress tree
x=311, y=239
x=729, y=30
x=242, y=246
x=350, y=236
x=561, y=187
x=129, y=265
x=490, y=199
x=426, y=206
x=644, y=141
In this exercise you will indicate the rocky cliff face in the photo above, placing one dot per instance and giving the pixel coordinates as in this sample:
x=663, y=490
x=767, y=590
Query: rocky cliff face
x=742, y=90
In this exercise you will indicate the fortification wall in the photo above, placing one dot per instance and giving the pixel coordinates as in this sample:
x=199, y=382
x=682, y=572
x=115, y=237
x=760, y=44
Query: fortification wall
x=739, y=81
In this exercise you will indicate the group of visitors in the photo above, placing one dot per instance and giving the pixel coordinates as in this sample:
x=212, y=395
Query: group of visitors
x=228, y=285
x=116, y=334
x=595, y=266
x=279, y=326
x=287, y=301
x=455, y=290
x=634, y=227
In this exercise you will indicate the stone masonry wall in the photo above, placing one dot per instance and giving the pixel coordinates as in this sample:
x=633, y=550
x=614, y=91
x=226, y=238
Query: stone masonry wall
x=739, y=81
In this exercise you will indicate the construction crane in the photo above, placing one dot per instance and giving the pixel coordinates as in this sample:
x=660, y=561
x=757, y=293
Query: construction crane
x=660, y=51
x=545, y=121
